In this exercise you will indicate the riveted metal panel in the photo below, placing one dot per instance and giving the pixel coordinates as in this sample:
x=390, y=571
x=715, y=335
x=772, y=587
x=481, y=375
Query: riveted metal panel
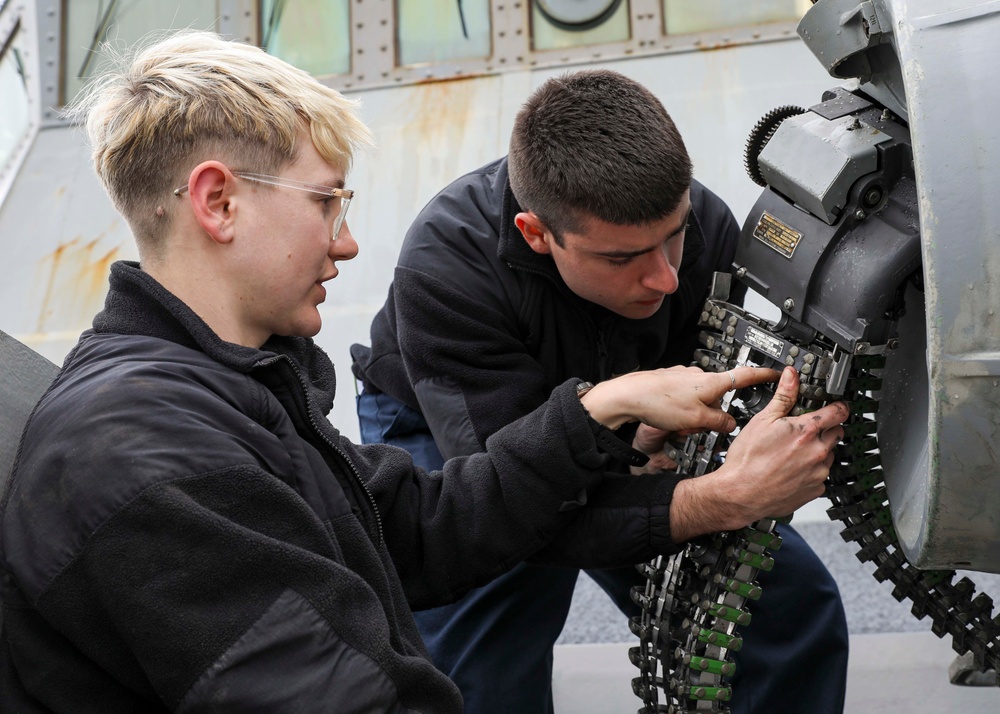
x=59, y=232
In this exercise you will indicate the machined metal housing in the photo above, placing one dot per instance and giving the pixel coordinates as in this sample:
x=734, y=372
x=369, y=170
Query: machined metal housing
x=879, y=229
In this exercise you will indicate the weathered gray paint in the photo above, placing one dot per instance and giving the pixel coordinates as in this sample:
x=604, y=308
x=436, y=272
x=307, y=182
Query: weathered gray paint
x=839, y=151
x=933, y=62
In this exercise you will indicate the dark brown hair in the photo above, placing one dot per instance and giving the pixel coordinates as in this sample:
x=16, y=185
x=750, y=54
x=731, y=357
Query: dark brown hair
x=596, y=143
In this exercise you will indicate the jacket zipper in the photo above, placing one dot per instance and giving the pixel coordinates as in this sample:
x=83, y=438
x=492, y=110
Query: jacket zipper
x=603, y=358
x=333, y=447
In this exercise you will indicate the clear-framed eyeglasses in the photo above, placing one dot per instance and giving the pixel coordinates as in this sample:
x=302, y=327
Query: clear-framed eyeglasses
x=340, y=198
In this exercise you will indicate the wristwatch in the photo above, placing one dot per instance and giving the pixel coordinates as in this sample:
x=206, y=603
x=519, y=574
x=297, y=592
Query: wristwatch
x=606, y=439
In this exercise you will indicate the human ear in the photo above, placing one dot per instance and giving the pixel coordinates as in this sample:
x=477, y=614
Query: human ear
x=210, y=186
x=534, y=231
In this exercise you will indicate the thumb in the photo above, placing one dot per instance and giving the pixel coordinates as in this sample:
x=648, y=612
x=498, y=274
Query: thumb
x=785, y=395
x=717, y=420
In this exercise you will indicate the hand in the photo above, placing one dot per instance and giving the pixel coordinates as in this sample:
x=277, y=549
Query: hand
x=652, y=441
x=678, y=399
x=776, y=464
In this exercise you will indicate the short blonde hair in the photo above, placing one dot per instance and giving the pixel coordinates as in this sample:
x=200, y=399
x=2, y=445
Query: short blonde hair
x=193, y=97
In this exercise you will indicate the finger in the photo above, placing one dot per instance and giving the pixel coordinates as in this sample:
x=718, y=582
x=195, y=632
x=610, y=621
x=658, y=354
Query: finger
x=785, y=395
x=689, y=432
x=717, y=420
x=829, y=416
x=832, y=436
x=747, y=377
x=652, y=432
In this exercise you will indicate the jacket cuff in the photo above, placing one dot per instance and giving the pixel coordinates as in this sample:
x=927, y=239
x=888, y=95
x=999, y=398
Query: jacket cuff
x=607, y=440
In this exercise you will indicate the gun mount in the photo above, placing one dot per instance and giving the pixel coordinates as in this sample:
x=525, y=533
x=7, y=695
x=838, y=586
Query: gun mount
x=876, y=237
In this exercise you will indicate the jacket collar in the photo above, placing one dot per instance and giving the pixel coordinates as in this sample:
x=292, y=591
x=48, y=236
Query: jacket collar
x=139, y=305
x=512, y=249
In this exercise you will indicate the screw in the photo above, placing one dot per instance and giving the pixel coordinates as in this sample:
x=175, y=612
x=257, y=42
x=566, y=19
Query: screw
x=860, y=214
x=741, y=272
x=873, y=196
x=789, y=304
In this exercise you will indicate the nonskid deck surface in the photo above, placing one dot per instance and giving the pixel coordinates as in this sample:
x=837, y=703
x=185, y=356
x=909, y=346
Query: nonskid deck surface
x=896, y=663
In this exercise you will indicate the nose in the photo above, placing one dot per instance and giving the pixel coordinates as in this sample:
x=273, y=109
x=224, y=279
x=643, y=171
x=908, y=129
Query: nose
x=662, y=275
x=344, y=247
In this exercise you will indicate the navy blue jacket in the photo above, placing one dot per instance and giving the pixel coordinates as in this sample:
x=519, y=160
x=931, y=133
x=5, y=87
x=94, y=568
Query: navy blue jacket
x=478, y=328
x=186, y=531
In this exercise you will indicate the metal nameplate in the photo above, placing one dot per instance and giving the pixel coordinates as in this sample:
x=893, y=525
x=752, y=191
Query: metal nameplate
x=762, y=341
x=777, y=235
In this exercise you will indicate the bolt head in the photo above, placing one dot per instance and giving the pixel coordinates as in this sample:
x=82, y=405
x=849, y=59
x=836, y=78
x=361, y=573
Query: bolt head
x=789, y=304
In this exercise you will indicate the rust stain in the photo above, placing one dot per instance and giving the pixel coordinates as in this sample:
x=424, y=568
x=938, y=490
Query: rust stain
x=441, y=113
x=718, y=46
x=455, y=78
x=75, y=279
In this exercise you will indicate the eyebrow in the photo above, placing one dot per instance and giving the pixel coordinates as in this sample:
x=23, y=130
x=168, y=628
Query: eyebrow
x=622, y=254
x=331, y=183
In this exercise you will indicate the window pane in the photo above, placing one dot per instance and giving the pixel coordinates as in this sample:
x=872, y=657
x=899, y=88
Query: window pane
x=14, y=107
x=314, y=35
x=547, y=34
x=683, y=16
x=438, y=30
x=122, y=24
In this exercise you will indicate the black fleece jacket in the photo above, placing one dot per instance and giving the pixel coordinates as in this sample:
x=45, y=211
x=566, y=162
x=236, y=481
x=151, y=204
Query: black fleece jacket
x=185, y=530
x=478, y=328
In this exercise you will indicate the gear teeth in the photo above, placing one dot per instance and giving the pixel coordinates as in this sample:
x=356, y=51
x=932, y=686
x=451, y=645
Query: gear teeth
x=761, y=133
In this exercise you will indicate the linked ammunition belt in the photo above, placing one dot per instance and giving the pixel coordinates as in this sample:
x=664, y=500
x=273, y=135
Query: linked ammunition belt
x=694, y=602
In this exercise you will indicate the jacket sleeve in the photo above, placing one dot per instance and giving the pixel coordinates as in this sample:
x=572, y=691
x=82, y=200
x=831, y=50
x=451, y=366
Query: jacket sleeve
x=223, y=592
x=457, y=529
x=470, y=370
x=631, y=517
x=155, y=550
